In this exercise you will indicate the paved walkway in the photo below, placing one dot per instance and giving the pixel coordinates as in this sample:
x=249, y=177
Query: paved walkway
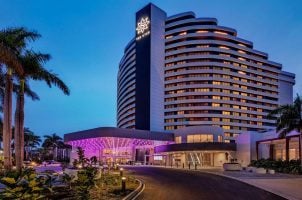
x=285, y=185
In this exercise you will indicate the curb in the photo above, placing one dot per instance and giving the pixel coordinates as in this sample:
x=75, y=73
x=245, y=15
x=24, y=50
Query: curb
x=134, y=194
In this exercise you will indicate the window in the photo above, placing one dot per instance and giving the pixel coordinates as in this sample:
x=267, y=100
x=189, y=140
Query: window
x=197, y=138
x=226, y=127
x=178, y=139
x=215, y=105
x=226, y=112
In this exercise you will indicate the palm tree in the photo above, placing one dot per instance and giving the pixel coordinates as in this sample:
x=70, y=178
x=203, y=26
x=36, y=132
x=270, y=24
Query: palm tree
x=33, y=65
x=12, y=41
x=53, y=141
x=30, y=141
x=289, y=118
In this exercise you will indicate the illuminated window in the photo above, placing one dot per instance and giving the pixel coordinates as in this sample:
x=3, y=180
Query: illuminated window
x=216, y=97
x=243, y=115
x=223, y=47
x=243, y=108
x=226, y=127
x=202, y=31
x=215, y=119
x=220, y=32
x=216, y=83
x=178, y=139
x=215, y=105
x=226, y=120
x=183, y=33
x=169, y=36
x=196, y=138
x=226, y=112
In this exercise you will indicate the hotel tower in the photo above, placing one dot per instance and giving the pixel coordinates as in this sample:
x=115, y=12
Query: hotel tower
x=182, y=71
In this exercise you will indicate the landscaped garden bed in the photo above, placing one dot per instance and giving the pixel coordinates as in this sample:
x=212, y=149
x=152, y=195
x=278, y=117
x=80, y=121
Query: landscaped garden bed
x=88, y=182
x=289, y=167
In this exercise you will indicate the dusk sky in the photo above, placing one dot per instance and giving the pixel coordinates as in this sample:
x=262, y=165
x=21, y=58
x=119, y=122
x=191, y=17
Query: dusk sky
x=86, y=40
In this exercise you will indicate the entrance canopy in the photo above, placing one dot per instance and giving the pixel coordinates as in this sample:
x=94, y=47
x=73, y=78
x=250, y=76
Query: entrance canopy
x=115, y=144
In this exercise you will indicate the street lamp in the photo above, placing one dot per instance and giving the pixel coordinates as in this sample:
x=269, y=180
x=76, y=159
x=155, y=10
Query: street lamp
x=121, y=172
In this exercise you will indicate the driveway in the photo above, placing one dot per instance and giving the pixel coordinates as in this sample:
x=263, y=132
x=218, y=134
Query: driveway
x=173, y=184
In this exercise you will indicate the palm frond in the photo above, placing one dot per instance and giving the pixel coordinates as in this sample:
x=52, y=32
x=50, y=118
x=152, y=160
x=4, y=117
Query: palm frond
x=28, y=92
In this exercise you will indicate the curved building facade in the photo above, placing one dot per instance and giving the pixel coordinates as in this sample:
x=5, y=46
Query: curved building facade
x=182, y=71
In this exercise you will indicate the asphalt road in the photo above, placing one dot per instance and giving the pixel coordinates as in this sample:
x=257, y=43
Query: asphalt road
x=173, y=184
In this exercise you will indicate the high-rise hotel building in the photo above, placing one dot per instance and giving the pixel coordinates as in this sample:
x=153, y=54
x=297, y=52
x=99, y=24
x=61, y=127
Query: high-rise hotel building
x=183, y=71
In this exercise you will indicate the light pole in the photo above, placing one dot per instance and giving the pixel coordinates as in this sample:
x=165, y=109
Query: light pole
x=121, y=172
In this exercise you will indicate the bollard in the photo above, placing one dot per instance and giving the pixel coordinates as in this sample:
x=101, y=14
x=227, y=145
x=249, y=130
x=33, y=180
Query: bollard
x=123, y=184
x=121, y=172
x=195, y=166
x=183, y=165
x=176, y=165
x=189, y=165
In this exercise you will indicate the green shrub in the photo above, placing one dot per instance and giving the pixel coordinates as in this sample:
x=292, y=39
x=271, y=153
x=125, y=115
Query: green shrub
x=23, y=185
x=292, y=166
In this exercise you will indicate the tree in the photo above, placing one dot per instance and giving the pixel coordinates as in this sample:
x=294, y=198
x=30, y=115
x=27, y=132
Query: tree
x=33, y=66
x=12, y=42
x=289, y=118
x=31, y=141
x=53, y=142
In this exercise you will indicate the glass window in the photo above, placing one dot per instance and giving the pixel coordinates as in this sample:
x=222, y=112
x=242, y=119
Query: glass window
x=178, y=139
x=220, y=138
x=190, y=139
x=294, y=148
x=197, y=138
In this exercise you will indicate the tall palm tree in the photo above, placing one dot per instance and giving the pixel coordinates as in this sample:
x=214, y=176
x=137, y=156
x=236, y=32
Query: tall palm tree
x=53, y=141
x=30, y=141
x=12, y=41
x=289, y=118
x=33, y=66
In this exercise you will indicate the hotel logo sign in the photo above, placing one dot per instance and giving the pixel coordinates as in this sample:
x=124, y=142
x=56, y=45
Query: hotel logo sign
x=142, y=28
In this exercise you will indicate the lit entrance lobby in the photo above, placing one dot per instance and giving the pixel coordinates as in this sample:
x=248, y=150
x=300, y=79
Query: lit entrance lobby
x=116, y=145
x=279, y=149
x=202, y=146
x=199, y=146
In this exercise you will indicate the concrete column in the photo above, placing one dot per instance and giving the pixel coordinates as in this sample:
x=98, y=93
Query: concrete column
x=287, y=148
